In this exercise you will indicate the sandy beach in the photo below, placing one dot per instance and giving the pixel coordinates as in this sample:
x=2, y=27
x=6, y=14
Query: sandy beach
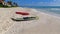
x=46, y=24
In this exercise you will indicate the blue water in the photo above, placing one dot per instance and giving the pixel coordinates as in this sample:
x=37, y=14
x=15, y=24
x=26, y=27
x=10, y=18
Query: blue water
x=41, y=6
x=50, y=9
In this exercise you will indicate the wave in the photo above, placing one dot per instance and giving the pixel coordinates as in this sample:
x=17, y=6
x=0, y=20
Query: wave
x=51, y=11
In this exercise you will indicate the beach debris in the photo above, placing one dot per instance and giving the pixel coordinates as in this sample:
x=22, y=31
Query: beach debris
x=24, y=19
x=22, y=13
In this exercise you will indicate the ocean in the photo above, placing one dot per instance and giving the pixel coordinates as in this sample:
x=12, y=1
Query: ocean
x=47, y=9
x=52, y=11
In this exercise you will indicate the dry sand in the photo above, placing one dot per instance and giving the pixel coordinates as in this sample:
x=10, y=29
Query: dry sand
x=46, y=24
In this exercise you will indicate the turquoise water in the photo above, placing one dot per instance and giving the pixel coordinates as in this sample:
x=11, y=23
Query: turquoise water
x=41, y=6
x=50, y=9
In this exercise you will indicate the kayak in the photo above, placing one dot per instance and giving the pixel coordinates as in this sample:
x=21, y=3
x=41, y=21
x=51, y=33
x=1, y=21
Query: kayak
x=24, y=19
x=22, y=13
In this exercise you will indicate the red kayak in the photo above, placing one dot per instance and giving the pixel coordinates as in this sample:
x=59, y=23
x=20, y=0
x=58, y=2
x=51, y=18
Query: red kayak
x=22, y=13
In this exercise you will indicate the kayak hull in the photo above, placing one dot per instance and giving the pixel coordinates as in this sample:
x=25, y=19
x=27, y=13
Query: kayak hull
x=24, y=19
x=22, y=13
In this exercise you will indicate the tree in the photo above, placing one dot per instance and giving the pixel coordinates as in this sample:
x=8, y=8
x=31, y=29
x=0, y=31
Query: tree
x=7, y=4
x=1, y=3
x=15, y=4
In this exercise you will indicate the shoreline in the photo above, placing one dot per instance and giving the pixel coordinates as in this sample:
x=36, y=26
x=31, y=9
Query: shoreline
x=47, y=13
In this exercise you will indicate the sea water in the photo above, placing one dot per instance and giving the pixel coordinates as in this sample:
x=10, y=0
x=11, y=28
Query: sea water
x=54, y=10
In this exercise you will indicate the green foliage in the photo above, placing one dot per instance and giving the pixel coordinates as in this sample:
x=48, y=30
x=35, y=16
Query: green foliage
x=8, y=3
